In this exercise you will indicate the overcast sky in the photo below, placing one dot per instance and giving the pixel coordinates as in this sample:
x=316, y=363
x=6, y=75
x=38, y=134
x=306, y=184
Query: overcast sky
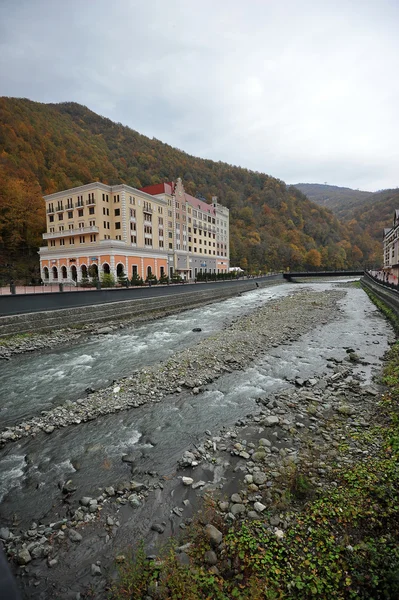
x=304, y=90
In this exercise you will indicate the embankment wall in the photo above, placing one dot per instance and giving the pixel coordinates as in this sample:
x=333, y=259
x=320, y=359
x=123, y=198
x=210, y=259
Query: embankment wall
x=106, y=305
x=388, y=296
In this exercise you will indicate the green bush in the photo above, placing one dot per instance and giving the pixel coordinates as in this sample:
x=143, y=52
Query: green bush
x=107, y=280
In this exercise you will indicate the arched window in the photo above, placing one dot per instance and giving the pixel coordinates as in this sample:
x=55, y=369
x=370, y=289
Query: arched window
x=74, y=273
x=55, y=272
x=120, y=269
x=106, y=268
x=83, y=270
x=149, y=272
x=64, y=272
x=45, y=273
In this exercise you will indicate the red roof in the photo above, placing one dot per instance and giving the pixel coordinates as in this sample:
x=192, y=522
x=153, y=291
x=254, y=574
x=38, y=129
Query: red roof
x=158, y=188
x=200, y=204
x=168, y=188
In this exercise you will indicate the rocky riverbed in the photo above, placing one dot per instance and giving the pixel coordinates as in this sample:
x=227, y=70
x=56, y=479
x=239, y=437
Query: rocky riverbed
x=235, y=347
x=246, y=467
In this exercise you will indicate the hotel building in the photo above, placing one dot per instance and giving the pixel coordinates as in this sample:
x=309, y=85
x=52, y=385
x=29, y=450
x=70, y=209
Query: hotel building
x=97, y=228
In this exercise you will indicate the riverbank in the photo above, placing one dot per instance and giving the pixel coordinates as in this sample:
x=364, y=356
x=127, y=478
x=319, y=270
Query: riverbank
x=64, y=549
x=278, y=322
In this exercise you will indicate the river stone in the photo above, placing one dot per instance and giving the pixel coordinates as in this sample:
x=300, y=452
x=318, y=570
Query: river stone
x=264, y=442
x=5, y=533
x=258, y=456
x=237, y=509
x=271, y=420
x=236, y=499
x=224, y=506
x=259, y=507
x=23, y=557
x=214, y=535
x=95, y=570
x=210, y=557
x=249, y=478
x=85, y=501
x=74, y=536
x=104, y=330
x=187, y=480
x=110, y=491
x=128, y=458
x=259, y=477
x=158, y=528
x=134, y=500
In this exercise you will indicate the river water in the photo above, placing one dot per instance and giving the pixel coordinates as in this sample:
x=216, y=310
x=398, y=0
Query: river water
x=90, y=453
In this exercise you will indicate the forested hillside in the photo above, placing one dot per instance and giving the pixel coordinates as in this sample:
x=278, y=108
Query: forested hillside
x=341, y=200
x=46, y=147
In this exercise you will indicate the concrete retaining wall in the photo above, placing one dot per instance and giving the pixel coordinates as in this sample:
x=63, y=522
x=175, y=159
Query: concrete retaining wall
x=388, y=296
x=173, y=299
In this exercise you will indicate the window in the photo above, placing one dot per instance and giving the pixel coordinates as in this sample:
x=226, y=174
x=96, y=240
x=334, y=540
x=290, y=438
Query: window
x=118, y=237
x=82, y=239
x=195, y=249
x=116, y=198
x=132, y=200
x=160, y=221
x=52, y=243
x=161, y=243
x=81, y=225
x=169, y=213
x=133, y=239
x=105, y=198
x=117, y=225
x=70, y=214
x=91, y=210
x=51, y=229
x=160, y=232
x=51, y=218
x=189, y=248
x=61, y=228
x=170, y=224
x=178, y=216
x=92, y=223
x=80, y=212
x=132, y=213
x=148, y=241
x=170, y=235
x=60, y=216
x=62, y=242
x=148, y=229
x=170, y=246
x=105, y=224
x=117, y=212
x=133, y=226
x=93, y=237
x=160, y=211
x=71, y=241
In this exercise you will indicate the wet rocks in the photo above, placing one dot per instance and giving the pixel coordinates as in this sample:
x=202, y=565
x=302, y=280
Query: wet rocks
x=213, y=534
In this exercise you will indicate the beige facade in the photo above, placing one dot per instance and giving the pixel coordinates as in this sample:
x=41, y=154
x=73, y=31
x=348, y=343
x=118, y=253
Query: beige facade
x=391, y=248
x=120, y=228
x=198, y=232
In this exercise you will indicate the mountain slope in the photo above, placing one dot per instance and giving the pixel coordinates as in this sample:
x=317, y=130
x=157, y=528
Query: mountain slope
x=341, y=200
x=49, y=147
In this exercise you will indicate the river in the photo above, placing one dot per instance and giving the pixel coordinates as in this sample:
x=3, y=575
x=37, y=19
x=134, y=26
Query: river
x=158, y=434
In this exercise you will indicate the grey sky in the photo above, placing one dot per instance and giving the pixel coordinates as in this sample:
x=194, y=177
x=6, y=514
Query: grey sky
x=305, y=90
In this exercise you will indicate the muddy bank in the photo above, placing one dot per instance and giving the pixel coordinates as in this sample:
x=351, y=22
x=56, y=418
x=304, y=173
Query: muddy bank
x=280, y=321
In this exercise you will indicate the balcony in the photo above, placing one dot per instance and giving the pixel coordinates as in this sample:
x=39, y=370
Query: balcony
x=90, y=202
x=79, y=204
x=59, y=208
x=50, y=210
x=70, y=232
x=146, y=209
